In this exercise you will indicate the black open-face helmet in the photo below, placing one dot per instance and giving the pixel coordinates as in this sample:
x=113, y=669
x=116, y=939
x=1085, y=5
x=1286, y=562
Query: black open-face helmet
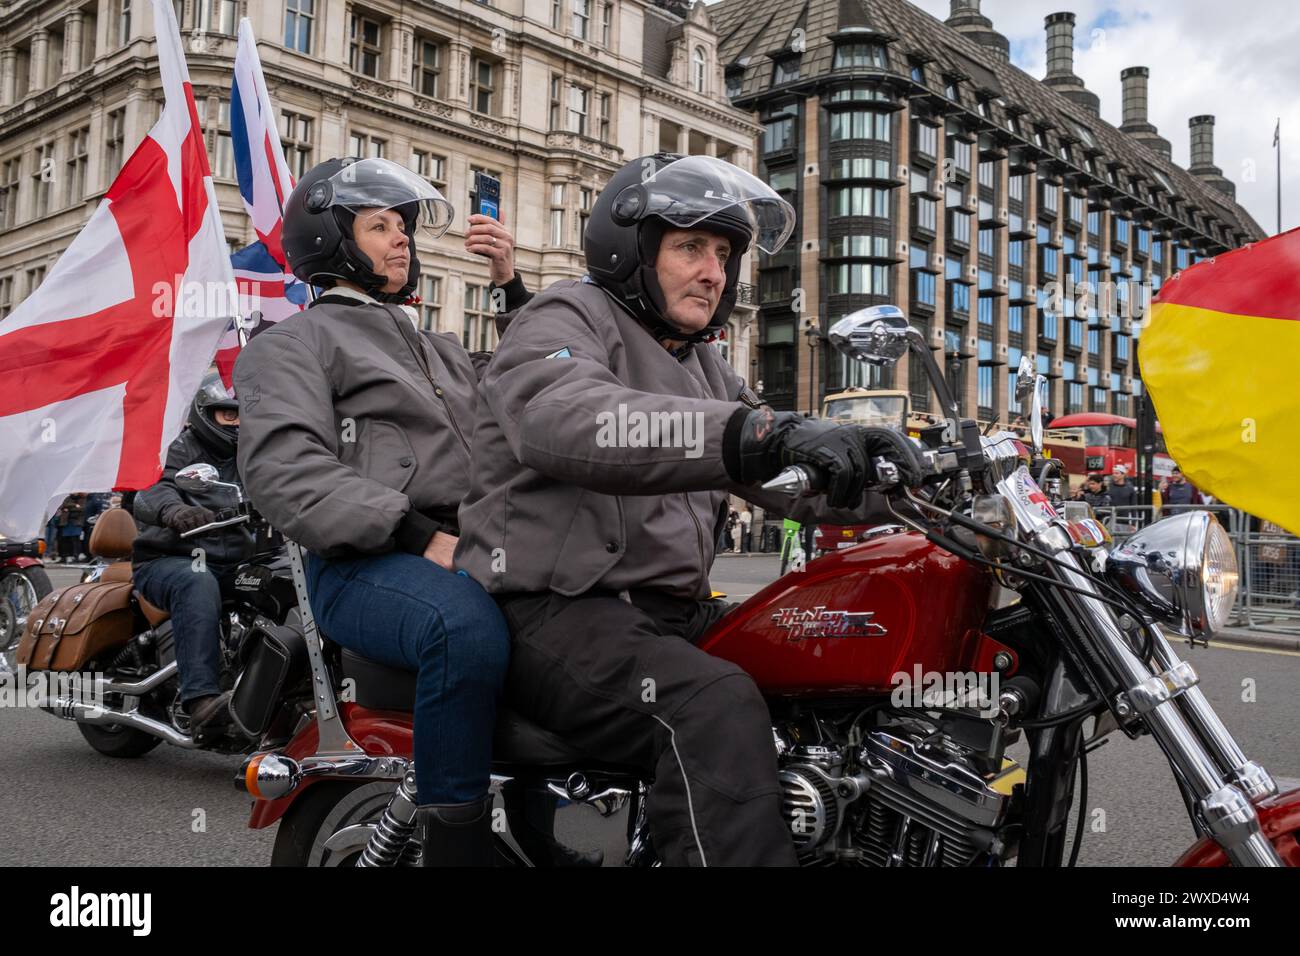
x=212, y=395
x=652, y=194
x=320, y=213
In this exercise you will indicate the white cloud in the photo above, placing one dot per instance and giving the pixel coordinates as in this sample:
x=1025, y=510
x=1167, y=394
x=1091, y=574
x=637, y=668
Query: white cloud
x=1236, y=61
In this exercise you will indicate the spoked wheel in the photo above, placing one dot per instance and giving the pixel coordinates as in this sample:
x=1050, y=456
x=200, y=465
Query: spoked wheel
x=20, y=590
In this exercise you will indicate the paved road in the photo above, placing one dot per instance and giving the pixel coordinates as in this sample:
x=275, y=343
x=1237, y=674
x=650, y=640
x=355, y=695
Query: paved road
x=63, y=804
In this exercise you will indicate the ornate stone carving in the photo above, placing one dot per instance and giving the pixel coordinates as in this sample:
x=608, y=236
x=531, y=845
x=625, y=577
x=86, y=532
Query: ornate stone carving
x=426, y=105
x=381, y=90
x=487, y=123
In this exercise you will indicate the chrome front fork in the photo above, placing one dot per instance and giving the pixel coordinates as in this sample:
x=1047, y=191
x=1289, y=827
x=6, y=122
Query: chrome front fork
x=1222, y=781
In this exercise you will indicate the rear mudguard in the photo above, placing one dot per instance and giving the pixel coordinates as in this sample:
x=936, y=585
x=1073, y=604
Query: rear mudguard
x=9, y=564
x=1279, y=820
x=380, y=733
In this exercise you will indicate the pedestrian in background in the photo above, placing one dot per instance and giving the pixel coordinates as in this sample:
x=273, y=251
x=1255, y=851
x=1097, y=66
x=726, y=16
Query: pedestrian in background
x=746, y=526
x=1177, y=490
x=71, y=517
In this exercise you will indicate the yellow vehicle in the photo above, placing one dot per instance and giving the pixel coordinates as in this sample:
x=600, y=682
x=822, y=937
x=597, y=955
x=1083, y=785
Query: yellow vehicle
x=893, y=408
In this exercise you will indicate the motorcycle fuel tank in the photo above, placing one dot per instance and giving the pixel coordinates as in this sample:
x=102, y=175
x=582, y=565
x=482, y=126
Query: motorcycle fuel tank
x=852, y=620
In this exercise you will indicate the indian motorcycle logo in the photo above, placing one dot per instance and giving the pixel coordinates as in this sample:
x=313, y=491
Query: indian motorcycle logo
x=820, y=622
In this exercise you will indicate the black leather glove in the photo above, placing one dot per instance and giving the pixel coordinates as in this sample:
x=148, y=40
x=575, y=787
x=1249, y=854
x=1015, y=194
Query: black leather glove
x=897, y=448
x=188, y=517
x=758, y=443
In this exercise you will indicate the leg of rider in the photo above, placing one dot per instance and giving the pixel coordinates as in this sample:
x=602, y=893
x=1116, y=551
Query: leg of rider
x=193, y=598
x=603, y=673
x=407, y=612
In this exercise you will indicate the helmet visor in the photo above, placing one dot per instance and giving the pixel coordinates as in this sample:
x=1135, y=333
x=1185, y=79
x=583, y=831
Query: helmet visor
x=213, y=393
x=690, y=190
x=371, y=185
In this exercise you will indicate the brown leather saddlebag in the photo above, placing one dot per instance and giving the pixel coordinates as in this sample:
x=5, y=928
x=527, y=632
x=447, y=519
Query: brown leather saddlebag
x=75, y=625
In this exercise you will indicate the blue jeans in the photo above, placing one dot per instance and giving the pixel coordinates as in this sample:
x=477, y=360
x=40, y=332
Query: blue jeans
x=407, y=612
x=194, y=600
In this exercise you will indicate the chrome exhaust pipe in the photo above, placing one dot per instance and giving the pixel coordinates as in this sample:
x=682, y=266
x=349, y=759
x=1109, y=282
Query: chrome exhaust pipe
x=105, y=685
x=70, y=709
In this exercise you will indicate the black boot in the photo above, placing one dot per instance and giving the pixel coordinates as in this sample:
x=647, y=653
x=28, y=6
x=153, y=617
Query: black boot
x=539, y=815
x=457, y=834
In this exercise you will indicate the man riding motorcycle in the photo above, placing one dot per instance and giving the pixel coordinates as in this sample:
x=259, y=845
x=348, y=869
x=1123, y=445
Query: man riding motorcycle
x=180, y=575
x=607, y=440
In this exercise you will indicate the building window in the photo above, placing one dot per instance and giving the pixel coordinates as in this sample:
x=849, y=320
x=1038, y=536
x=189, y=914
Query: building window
x=778, y=134
x=984, y=309
x=1076, y=209
x=121, y=21
x=296, y=139
x=959, y=227
x=924, y=284
x=926, y=139
x=584, y=213
x=221, y=16
x=6, y=295
x=580, y=25
x=861, y=124
x=699, y=64
x=430, y=302
x=43, y=178
x=1048, y=259
x=1049, y=197
x=10, y=177
x=918, y=74
x=299, y=17
x=959, y=151
x=1121, y=231
x=478, y=334
x=578, y=106
x=482, y=87
x=365, y=146
x=735, y=79
x=859, y=201
x=557, y=214
x=959, y=298
x=428, y=67
x=849, y=55
x=557, y=106
x=925, y=213
x=34, y=279
x=606, y=17
x=984, y=378
x=431, y=166
x=783, y=71
x=363, y=46
x=1016, y=320
x=114, y=141
x=602, y=131
x=557, y=14
x=78, y=146
x=224, y=168
x=858, y=278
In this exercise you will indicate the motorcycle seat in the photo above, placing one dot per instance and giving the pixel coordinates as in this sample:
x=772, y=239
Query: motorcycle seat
x=516, y=739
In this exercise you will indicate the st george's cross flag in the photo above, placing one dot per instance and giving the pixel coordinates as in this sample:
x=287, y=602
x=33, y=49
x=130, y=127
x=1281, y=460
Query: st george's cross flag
x=101, y=362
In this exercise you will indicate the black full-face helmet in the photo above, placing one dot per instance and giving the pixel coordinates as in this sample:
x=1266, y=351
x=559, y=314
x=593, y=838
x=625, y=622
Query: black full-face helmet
x=212, y=395
x=320, y=213
x=652, y=194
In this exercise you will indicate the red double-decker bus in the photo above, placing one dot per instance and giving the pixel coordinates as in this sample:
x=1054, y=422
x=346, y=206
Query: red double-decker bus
x=1111, y=440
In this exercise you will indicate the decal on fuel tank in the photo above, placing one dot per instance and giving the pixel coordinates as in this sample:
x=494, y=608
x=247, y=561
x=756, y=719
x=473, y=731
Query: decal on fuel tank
x=820, y=622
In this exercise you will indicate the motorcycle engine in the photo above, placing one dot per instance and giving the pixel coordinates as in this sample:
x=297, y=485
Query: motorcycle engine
x=904, y=795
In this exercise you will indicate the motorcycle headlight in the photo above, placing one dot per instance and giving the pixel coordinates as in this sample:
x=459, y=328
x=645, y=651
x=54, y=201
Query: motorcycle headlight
x=1183, y=569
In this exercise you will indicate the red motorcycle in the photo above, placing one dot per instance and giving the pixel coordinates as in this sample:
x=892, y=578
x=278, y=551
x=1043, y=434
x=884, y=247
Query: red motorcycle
x=897, y=672
x=23, y=582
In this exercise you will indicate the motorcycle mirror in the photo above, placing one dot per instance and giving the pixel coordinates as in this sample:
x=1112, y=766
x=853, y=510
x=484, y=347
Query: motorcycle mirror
x=196, y=477
x=877, y=335
x=1025, y=376
x=1036, y=411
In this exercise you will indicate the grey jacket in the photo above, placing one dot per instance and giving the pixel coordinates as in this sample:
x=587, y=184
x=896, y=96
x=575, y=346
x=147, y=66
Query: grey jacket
x=354, y=427
x=597, y=458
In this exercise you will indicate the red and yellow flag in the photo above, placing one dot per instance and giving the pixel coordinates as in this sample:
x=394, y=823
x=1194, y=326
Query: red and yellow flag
x=1221, y=361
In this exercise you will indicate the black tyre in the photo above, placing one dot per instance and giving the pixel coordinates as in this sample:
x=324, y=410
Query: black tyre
x=114, y=740
x=20, y=590
x=323, y=811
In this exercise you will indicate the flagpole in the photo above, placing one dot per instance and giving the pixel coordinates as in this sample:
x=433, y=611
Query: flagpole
x=1277, y=141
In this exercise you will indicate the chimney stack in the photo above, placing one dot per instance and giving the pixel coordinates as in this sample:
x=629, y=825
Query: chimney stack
x=1136, y=124
x=1060, y=63
x=964, y=16
x=1202, y=166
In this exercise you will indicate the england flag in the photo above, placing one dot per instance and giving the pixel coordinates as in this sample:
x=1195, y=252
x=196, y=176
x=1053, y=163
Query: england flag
x=101, y=362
